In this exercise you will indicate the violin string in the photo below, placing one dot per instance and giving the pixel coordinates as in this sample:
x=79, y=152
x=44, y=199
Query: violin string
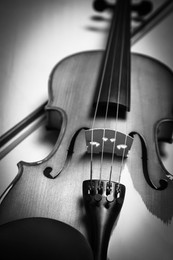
x=107, y=106
x=97, y=103
x=122, y=160
x=125, y=142
x=116, y=119
x=106, y=116
x=123, y=156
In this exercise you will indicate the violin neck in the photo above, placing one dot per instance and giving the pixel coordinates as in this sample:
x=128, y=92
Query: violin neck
x=115, y=75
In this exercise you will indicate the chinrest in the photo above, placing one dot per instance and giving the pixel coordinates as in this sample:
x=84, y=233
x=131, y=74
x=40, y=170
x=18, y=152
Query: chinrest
x=42, y=238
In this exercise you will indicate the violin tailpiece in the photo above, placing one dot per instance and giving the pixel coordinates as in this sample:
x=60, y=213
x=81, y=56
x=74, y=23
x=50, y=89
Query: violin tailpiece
x=103, y=201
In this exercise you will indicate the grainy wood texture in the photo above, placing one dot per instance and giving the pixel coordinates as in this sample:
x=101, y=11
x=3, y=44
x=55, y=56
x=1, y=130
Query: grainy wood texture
x=144, y=229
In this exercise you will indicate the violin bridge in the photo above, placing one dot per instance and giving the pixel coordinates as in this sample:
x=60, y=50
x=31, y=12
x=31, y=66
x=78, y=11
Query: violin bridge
x=108, y=141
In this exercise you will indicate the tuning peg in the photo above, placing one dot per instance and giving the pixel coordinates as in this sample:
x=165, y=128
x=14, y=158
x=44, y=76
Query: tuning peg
x=102, y=5
x=142, y=8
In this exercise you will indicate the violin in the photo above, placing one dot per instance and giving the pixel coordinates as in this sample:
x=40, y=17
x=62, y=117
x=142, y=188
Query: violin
x=103, y=192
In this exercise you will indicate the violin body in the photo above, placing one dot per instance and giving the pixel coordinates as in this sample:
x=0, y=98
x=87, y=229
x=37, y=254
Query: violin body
x=52, y=188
